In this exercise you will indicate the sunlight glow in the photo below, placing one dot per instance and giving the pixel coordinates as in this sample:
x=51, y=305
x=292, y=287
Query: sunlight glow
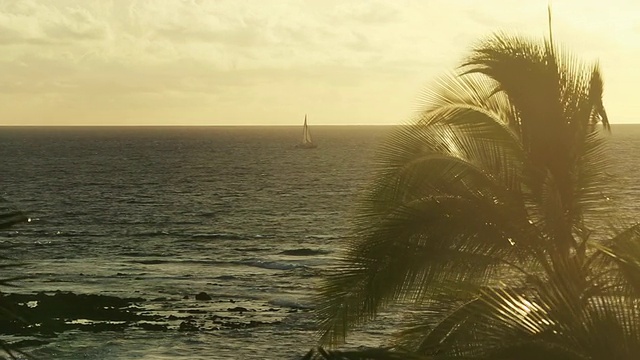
x=165, y=62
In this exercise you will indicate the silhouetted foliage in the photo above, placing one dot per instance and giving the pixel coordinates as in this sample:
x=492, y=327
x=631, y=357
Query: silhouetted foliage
x=366, y=354
x=9, y=218
x=479, y=215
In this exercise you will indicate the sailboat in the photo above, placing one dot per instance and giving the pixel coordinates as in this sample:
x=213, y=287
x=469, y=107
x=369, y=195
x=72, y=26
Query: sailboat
x=306, y=137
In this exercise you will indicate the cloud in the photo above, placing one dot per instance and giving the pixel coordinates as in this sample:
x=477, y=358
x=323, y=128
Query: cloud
x=119, y=56
x=30, y=22
x=74, y=24
x=370, y=13
x=240, y=37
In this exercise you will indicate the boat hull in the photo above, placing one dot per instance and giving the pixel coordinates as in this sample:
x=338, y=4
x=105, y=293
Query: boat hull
x=306, y=146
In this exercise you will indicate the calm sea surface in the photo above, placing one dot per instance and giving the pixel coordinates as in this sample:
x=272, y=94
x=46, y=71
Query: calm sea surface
x=164, y=213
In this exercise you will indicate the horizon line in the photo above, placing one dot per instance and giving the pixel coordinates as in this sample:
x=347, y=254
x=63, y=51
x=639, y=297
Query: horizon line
x=219, y=125
x=199, y=125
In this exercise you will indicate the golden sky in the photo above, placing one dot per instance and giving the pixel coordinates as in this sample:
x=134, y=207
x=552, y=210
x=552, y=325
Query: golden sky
x=268, y=62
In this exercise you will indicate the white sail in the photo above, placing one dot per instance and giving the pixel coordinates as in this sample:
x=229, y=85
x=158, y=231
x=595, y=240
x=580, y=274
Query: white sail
x=306, y=137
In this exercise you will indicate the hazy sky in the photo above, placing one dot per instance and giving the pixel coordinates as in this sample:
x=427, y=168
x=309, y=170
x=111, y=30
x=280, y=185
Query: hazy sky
x=214, y=62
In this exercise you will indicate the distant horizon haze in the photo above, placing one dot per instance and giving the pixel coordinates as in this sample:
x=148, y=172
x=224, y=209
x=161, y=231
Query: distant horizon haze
x=227, y=125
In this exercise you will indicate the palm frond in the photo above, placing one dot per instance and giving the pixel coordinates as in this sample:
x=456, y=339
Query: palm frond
x=10, y=218
x=501, y=322
x=500, y=171
x=363, y=354
x=413, y=234
x=621, y=254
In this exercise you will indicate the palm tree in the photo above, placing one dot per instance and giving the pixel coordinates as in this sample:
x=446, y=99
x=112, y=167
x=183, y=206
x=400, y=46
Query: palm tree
x=481, y=214
x=8, y=218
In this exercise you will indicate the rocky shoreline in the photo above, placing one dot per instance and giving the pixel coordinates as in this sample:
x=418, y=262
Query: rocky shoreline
x=38, y=318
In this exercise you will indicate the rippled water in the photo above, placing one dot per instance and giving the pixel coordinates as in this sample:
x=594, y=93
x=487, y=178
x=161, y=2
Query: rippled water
x=169, y=212
x=165, y=213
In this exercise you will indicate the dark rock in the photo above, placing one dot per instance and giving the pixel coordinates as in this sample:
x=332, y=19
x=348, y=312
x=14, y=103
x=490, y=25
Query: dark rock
x=152, y=327
x=27, y=343
x=303, y=252
x=238, y=309
x=56, y=312
x=100, y=327
x=195, y=311
x=186, y=297
x=49, y=314
x=188, y=325
x=203, y=296
x=218, y=318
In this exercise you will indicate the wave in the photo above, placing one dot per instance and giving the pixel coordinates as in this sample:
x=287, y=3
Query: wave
x=225, y=277
x=250, y=249
x=230, y=236
x=135, y=254
x=264, y=236
x=65, y=233
x=322, y=237
x=152, y=261
x=206, y=214
x=151, y=233
x=303, y=252
x=171, y=260
x=289, y=303
x=262, y=264
x=186, y=222
x=272, y=265
x=222, y=236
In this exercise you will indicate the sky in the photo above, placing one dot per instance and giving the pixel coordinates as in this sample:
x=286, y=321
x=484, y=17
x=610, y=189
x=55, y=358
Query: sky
x=268, y=62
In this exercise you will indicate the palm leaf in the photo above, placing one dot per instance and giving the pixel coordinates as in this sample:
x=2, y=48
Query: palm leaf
x=409, y=217
x=364, y=354
x=11, y=218
x=500, y=170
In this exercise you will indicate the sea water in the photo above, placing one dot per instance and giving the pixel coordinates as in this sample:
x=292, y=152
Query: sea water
x=236, y=212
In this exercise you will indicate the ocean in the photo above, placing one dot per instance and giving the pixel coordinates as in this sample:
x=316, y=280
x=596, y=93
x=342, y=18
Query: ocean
x=236, y=212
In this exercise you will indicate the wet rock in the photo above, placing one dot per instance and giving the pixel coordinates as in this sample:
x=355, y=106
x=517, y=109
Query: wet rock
x=303, y=252
x=61, y=311
x=152, y=327
x=8, y=218
x=49, y=314
x=28, y=343
x=238, y=309
x=100, y=327
x=203, y=296
x=250, y=324
x=188, y=325
x=194, y=311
